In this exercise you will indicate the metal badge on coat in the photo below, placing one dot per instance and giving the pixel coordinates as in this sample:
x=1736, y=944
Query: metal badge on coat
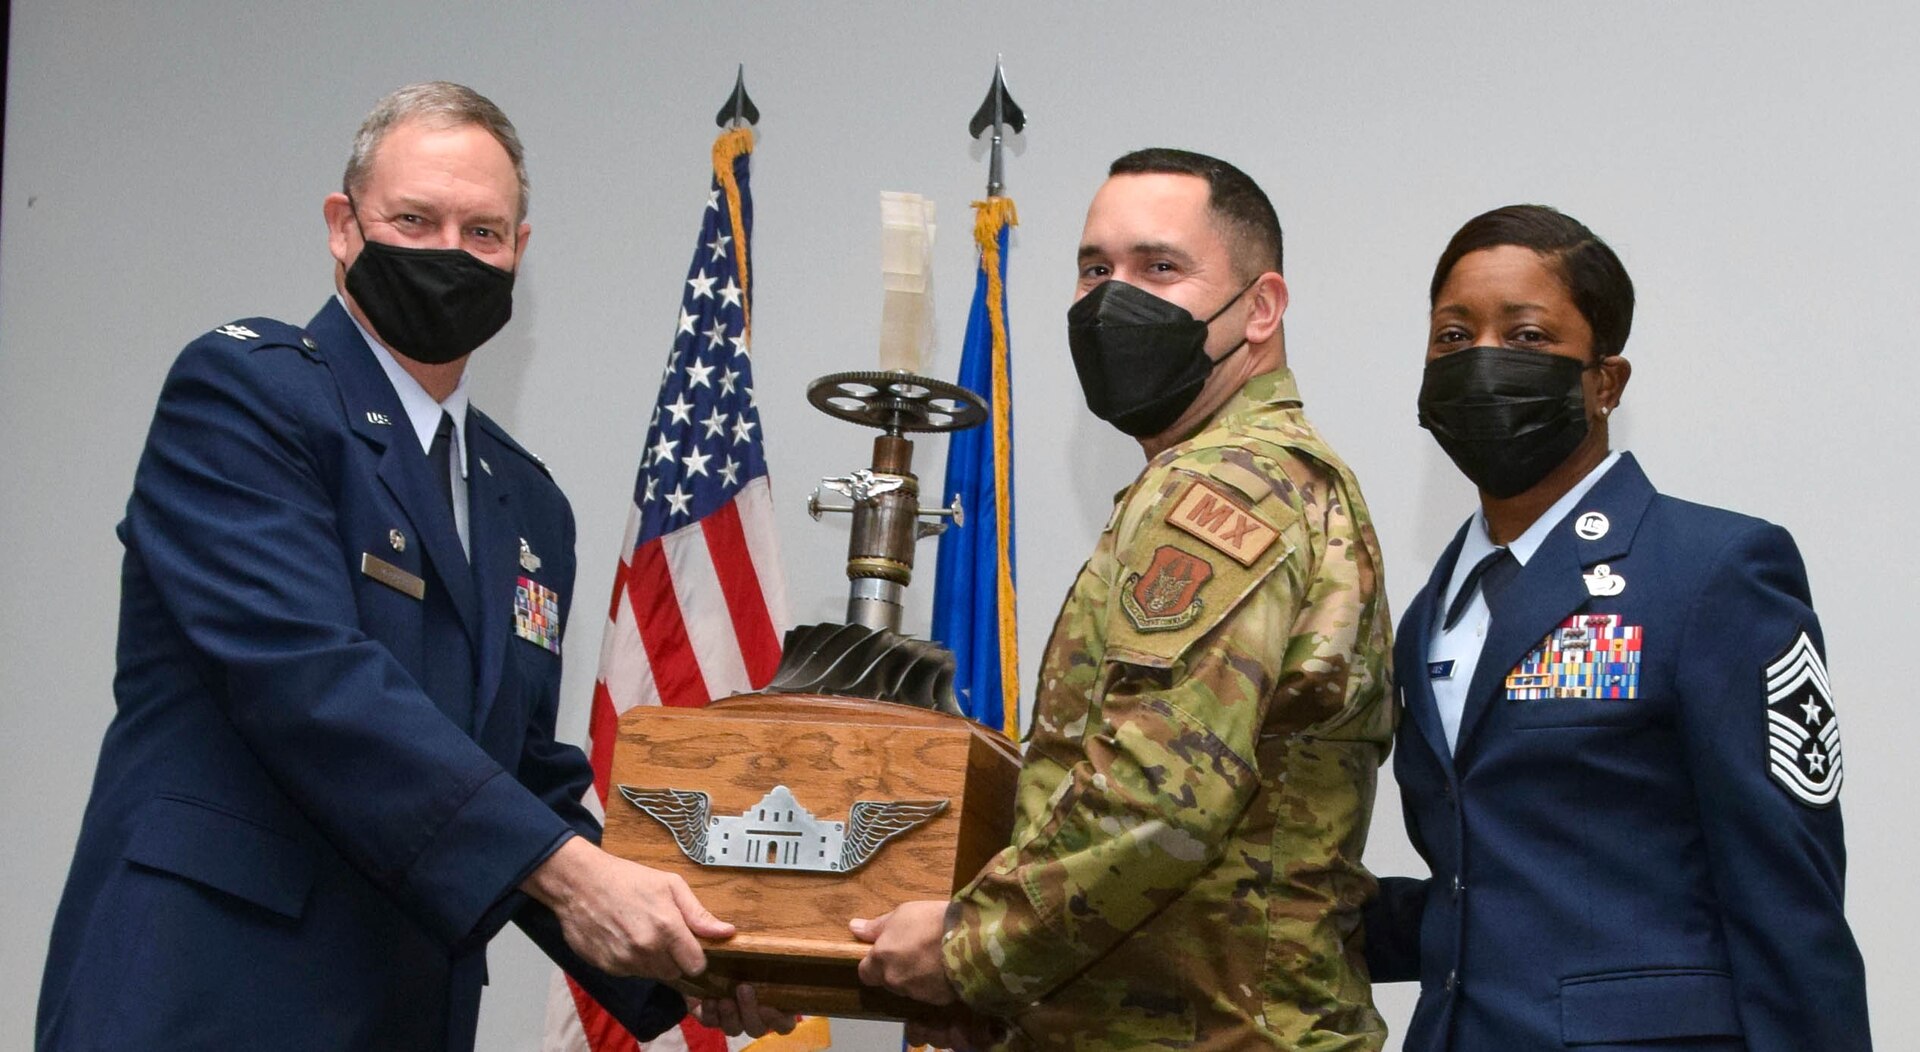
x=777, y=832
x=1603, y=582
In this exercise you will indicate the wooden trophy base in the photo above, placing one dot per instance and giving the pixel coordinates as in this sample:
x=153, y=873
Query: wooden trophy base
x=830, y=753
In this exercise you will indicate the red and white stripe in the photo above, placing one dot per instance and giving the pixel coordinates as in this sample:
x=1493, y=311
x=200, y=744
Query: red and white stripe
x=697, y=614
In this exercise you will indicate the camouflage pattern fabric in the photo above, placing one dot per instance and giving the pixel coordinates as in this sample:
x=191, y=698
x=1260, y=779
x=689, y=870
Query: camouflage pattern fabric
x=1212, y=711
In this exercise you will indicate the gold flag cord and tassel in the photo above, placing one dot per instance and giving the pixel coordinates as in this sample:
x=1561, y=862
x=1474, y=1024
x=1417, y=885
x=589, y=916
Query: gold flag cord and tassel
x=990, y=217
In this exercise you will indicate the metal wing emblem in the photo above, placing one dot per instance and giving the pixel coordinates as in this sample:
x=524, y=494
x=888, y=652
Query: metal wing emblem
x=685, y=814
x=870, y=825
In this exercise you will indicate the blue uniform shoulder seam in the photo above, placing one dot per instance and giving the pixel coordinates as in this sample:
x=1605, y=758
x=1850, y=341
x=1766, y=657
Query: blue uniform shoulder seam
x=500, y=435
x=255, y=334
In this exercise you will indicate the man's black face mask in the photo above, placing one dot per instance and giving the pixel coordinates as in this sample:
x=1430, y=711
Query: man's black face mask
x=431, y=304
x=1141, y=359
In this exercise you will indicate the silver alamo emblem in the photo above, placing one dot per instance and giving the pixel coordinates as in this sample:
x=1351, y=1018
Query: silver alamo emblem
x=778, y=833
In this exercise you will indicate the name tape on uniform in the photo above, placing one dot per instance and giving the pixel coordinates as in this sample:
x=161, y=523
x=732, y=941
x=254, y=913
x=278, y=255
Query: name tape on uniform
x=392, y=576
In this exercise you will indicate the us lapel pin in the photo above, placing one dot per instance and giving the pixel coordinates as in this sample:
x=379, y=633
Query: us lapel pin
x=398, y=540
x=1591, y=526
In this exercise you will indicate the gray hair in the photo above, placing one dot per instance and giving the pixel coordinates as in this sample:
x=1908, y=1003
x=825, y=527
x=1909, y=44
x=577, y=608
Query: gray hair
x=442, y=104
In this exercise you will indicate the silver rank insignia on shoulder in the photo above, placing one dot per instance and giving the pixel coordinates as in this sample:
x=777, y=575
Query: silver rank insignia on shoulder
x=238, y=332
x=1803, y=732
x=528, y=561
x=378, y=418
x=1604, y=582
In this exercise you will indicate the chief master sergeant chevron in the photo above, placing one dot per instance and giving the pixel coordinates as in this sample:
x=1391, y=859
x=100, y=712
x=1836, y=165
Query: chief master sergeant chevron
x=1213, y=706
x=332, y=774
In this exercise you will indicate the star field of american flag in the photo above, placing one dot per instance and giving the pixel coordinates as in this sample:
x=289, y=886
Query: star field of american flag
x=699, y=596
x=703, y=443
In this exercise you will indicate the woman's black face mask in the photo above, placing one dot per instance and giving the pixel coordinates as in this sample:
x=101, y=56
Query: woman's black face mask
x=1505, y=416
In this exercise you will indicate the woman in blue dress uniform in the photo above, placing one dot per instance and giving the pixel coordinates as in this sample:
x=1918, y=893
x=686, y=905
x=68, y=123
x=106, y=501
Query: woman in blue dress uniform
x=1618, y=751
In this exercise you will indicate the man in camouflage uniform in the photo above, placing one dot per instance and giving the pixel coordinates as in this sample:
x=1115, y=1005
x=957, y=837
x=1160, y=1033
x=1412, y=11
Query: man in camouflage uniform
x=1213, y=706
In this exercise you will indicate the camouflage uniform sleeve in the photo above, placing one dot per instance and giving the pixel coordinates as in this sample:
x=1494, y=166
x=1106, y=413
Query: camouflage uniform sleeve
x=1208, y=576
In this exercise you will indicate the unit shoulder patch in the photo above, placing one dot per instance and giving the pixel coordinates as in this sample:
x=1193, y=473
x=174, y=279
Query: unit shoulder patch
x=1803, y=732
x=1207, y=512
x=1167, y=596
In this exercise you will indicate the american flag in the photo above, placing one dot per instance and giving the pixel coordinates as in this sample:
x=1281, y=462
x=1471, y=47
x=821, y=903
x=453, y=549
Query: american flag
x=699, y=600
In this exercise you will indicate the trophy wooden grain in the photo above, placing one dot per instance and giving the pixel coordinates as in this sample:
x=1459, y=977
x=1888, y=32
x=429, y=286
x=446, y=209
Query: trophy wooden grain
x=831, y=752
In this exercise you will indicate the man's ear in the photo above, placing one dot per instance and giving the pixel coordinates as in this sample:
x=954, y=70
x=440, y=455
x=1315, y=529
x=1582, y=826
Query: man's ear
x=520, y=244
x=1268, y=298
x=342, y=233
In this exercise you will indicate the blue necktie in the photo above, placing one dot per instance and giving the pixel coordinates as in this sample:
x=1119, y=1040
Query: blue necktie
x=1490, y=575
x=440, y=455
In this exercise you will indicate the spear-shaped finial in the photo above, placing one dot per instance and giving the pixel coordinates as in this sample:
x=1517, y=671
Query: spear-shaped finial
x=998, y=112
x=739, y=109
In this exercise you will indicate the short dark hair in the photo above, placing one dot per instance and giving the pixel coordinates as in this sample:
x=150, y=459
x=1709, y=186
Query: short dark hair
x=1594, y=276
x=1251, y=226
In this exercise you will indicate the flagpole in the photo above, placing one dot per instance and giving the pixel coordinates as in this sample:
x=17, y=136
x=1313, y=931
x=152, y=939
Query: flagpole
x=993, y=217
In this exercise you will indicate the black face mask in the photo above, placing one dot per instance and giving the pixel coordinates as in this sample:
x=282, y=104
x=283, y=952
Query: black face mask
x=1141, y=359
x=1505, y=416
x=431, y=304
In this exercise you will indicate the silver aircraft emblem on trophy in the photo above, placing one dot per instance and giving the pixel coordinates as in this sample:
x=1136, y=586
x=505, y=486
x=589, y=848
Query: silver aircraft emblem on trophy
x=777, y=832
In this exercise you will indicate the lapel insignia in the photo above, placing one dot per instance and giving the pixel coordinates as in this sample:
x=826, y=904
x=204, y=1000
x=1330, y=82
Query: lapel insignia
x=397, y=539
x=1803, y=732
x=379, y=418
x=536, y=614
x=1591, y=526
x=1603, y=582
x=484, y=466
x=1167, y=596
x=528, y=561
x=1587, y=656
x=1220, y=521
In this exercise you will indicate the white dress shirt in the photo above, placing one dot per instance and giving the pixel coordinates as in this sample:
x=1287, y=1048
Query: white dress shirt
x=1454, y=653
x=424, y=414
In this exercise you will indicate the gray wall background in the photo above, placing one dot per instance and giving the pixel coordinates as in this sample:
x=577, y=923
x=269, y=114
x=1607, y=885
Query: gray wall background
x=1753, y=164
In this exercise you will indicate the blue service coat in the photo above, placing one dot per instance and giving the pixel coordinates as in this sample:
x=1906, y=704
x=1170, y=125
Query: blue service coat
x=1615, y=873
x=326, y=775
